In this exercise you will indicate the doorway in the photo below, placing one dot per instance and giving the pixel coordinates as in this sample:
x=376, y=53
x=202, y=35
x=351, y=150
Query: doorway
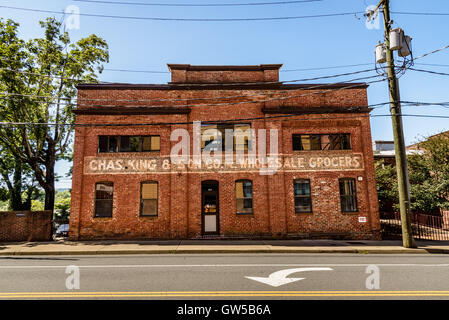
x=209, y=207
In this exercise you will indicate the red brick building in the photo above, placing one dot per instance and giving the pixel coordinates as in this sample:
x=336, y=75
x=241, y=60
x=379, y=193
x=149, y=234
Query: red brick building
x=125, y=187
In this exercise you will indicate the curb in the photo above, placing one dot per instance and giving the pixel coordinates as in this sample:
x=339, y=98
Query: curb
x=211, y=251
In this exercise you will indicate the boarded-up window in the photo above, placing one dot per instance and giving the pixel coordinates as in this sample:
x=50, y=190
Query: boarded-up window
x=155, y=143
x=146, y=144
x=149, y=199
x=244, y=196
x=104, y=195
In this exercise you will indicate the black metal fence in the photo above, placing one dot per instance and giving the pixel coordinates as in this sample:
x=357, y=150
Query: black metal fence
x=424, y=226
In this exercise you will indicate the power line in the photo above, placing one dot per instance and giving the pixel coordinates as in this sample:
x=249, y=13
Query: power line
x=318, y=86
x=218, y=104
x=219, y=19
x=422, y=13
x=290, y=115
x=44, y=75
x=325, y=68
x=198, y=5
x=208, y=84
x=270, y=82
x=431, y=52
x=189, y=19
x=138, y=71
x=430, y=71
x=433, y=64
x=419, y=103
x=285, y=70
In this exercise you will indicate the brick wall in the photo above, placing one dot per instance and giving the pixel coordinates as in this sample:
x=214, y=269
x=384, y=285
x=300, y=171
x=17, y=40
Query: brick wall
x=25, y=226
x=179, y=203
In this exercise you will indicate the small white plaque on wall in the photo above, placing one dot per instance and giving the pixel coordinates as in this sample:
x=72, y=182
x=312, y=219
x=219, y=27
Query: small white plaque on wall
x=362, y=219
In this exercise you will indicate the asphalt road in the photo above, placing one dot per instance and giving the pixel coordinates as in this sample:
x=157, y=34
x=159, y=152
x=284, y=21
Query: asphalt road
x=225, y=276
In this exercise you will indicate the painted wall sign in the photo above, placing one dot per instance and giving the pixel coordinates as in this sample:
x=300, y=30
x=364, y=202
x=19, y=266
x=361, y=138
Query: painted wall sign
x=294, y=163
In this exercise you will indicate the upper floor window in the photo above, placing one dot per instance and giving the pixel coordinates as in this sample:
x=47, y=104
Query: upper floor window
x=239, y=141
x=348, y=195
x=310, y=142
x=244, y=196
x=104, y=195
x=129, y=143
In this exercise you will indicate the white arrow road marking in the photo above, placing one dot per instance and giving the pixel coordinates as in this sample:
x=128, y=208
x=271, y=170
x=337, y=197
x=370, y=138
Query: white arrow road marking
x=279, y=278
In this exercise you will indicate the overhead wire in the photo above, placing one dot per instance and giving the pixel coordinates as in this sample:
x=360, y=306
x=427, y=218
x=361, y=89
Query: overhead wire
x=421, y=13
x=311, y=87
x=431, y=52
x=265, y=118
x=211, y=84
x=197, y=4
x=429, y=71
x=325, y=15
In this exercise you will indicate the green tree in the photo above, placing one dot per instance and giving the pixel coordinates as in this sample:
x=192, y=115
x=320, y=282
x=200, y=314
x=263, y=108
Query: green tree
x=387, y=187
x=17, y=177
x=422, y=193
x=436, y=158
x=62, y=204
x=39, y=77
x=428, y=177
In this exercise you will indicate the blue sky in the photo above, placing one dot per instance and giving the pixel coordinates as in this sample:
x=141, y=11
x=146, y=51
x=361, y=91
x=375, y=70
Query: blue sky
x=298, y=44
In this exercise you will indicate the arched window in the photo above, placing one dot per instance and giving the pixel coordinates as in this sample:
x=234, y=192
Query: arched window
x=149, y=198
x=244, y=196
x=104, y=197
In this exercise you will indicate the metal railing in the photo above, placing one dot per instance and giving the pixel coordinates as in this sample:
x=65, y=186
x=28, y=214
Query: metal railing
x=424, y=226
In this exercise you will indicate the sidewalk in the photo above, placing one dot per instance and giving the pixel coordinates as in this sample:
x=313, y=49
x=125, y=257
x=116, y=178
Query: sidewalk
x=218, y=246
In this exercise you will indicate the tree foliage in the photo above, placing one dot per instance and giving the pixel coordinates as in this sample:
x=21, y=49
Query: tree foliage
x=428, y=177
x=387, y=186
x=62, y=205
x=436, y=158
x=38, y=80
x=17, y=182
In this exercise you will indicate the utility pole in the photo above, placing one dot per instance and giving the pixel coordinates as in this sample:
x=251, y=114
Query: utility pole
x=398, y=132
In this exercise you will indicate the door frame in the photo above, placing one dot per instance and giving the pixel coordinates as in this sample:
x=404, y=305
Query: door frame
x=204, y=185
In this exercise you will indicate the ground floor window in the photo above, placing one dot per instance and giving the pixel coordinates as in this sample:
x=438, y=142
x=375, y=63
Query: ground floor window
x=244, y=196
x=104, y=194
x=148, y=199
x=348, y=195
x=303, y=199
x=149, y=192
